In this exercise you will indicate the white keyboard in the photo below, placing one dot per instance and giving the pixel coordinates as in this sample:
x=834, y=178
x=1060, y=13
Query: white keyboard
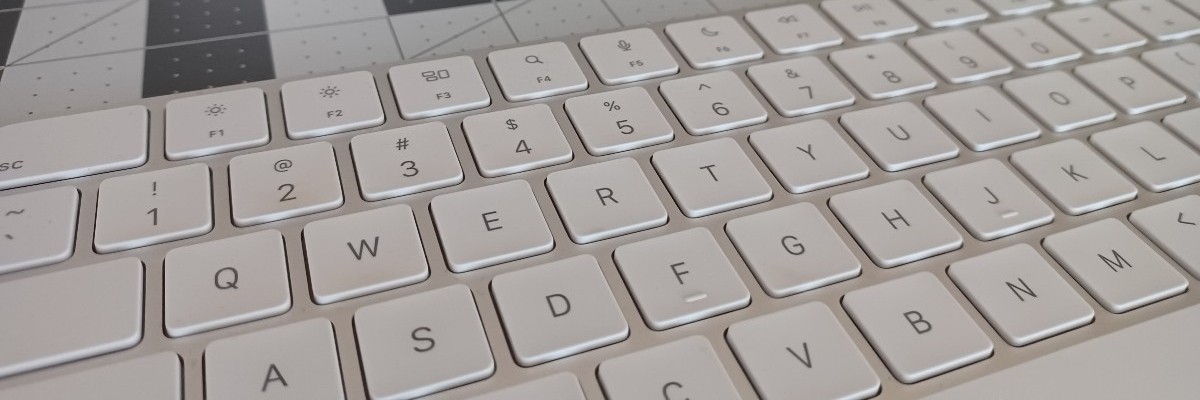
x=844, y=199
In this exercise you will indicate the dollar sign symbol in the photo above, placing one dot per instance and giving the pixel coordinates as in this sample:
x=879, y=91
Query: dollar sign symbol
x=512, y=124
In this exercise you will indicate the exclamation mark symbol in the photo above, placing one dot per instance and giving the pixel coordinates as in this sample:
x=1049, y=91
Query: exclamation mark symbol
x=154, y=188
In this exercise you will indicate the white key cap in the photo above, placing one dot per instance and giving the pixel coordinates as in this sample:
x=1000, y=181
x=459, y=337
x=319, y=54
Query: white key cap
x=680, y=278
x=1186, y=124
x=153, y=377
x=808, y=156
x=80, y=312
x=439, y=87
x=988, y=199
x=918, y=329
x=225, y=282
x=516, y=140
x=39, y=228
x=894, y=223
x=1173, y=226
x=1130, y=85
x=605, y=200
x=1180, y=63
x=1158, y=18
x=215, y=123
x=712, y=103
x=557, y=310
x=295, y=361
x=959, y=56
x=1073, y=176
x=537, y=71
x=1117, y=268
x=713, y=42
x=800, y=86
x=1017, y=7
x=982, y=118
x=869, y=19
x=619, y=120
x=710, y=177
x=363, y=253
x=284, y=183
x=403, y=161
x=1059, y=101
x=882, y=70
x=685, y=368
x=792, y=249
x=153, y=207
x=1151, y=155
x=561, y=386
x=802, y=350
x=899, y=136
x=422, y=344
x=1190, y=5
x=1096, y=29
x=793, y=29
x=331, y=104
x=944, y=13
x=72, y=146
x=1030, y=42
x=628, y=56
x=490, y=225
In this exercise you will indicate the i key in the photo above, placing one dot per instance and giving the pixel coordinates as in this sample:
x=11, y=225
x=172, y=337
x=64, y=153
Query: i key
x=153, y=207
x=982, y=118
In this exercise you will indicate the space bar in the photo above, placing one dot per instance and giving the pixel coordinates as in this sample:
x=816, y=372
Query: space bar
x=1155, y=359
x=73, y=146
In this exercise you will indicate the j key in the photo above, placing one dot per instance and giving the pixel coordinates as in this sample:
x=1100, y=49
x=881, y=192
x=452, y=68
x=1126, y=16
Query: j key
x=605, y=200
x=710, y=177
x=1130, y=85
x=296, y=361
x=712, y=103
x=1030, y=42
x=153, y=207
x=959, y=56
x=713, y=42
x=537, y=71
x=792, y=249
x=628, y=56
x=152, y=377
x=1059, y=101
x=1017, y=7
x=1151, y=155
x=216, y=123
x=490, y=225
x=793, y=29
x=438, y=87
x=869, y=19
x=982, y=118
x=39, y=228
x=898, y=136
x=1186, y=124
x=284, y=183
x=883, y=70
x=516, y=140
x=403, y=161
x=1180, y=63
x=1158, y=18
x=1173, y=226
x=331, y=104
x=618, y=120
x=1096, y=29
x=72, y=146
x=363, y=253
x=800, y=86
x=562, y=386
x=686, y=368
x=808, y=156
x=1074, y=177
x=989, y=199
x=944, y=13
x=894, y=223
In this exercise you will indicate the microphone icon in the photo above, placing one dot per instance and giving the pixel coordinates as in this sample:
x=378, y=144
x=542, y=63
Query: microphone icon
x=623, y=45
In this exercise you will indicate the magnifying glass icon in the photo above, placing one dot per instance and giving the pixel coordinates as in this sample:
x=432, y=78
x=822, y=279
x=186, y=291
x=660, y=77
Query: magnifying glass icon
x=533, y=60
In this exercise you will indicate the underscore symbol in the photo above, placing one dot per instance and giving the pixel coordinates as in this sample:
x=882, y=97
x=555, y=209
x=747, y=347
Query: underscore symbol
x=512, y=124
x=612, y=105
x=402, y=144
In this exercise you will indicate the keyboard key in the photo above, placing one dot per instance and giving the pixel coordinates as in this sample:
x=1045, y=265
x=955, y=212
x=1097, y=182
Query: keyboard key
x=1151, y=155
x=72, y=146
x=1190, y=5
x=869, y=19
x=153, y=377
x=1117, y=268
x=295, y=361
x=422, y=344
x=800, y=86
x=516, y=140
x=1130, y=85
x=628, y=56
x=605, y=200
x=1173, y=226
x=402, y=161
x=620, y=120
x=802, y=349
x=363, y=253
x=1180, y=63
x=713, y=42
x=284, y=183
x=959, y=56
x=216, y=123
x=898, y=136
x=39, y=228
x=710, y=177
x=1186, y=124
x=680, y=278
x=712, y=103
x=557, y=310
x=792, y=249
x=439, y=87
x=1158, y=18
x=1096, y=29
x=1020, y=294
x=540, y=70
x=1073, y=176
x=331, y=104
x=793, y=29
x=685, y=368
x=882, y=70
x=944, y=13
x=982, y=118
x=1059, y=101
x=1030, y=42
x=490, y=225
x=894, y=223
x=562, y=386
x=153, y=207
x=1017, y=7
x=808, y=156
x=988, y=199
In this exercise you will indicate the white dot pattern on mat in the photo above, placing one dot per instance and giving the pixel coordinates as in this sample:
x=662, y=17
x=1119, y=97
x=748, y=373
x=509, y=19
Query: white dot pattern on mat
x=545, y=19
x=78, y=84
x=39, y=27
x=450, y=30
x=123, y=30
x=333, y=48
x=288, y=14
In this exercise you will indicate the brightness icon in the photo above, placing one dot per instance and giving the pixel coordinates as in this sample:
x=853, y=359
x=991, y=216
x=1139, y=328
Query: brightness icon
x=215, y=110
x=330, y=92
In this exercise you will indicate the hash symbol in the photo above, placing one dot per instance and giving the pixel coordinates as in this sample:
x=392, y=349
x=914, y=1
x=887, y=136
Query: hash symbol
x=402, y=144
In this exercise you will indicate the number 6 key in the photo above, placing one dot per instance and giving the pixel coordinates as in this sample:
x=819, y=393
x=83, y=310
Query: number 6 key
x=712, y=103
x=284, y=183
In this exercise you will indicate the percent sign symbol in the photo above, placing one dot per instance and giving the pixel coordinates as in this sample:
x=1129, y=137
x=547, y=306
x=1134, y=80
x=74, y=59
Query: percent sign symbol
x=612, y=106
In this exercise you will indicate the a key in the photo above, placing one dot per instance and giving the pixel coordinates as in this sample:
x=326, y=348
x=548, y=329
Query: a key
x=680, y=278
x=557, y=310
x=1030, y=42
x=536, y=71
x=153, y=207
x=712, y=103
x=685, y=368
x=792, y=249
x=710, y=177
x=516, y=140
x=800, y=86
x=882, y=70
x=1073, y=176
x=1180, y=63
x=793, y=29
x=562, y=386
x=490, y=225
x=1121, y=271
x=403, y=161
x=152, y=377
x=802, y=349
x=605, y=200
x=869, y=19
x=215, y=123
x=894, y=223
x=38, y=228
x=944, y=13
x=1096, y=29
x=628, y=56
x=422, y=344
x=294, y=361
x=1017, y=7
x=959, y=56
x=1173, y=226
x=367, y=252
x=1151, y=155
x=988, y=199
x=1059, y=101
x=898, y=136
x=1130, y=85
x=1158, y=18
x=982, y=118
x=1186, y=124
x=331, y=104
x=284, y=183
x=619, y=120
x=1020, y=294
x=73, y=145
x=808, y=156
x=431, y=88
x=713, y=42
